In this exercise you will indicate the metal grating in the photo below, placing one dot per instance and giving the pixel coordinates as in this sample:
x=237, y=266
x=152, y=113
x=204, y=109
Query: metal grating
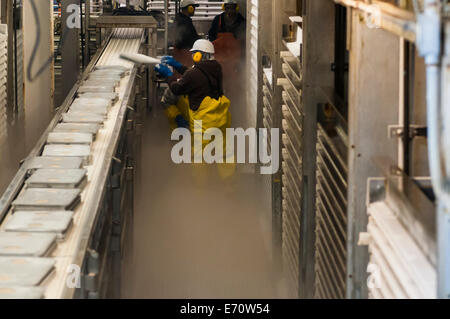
x=331, y=206
x=253, y=61
x=401, y=238
x=20, y=74
x=3, y=80
x=96, y=8
x=206, y=11
x=292, y=123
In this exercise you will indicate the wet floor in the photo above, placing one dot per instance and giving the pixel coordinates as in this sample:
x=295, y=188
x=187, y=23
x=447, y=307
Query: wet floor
x=195, y=235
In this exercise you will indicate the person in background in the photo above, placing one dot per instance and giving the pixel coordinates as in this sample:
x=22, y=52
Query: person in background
x=185, y=33
x=227, y=33
x=230, y=21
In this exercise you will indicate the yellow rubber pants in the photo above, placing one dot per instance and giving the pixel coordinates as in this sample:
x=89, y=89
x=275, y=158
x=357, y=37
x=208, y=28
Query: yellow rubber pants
x=213, y=114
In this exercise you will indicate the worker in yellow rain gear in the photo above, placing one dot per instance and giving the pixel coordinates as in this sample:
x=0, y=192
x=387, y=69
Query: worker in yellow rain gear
x=200, y=97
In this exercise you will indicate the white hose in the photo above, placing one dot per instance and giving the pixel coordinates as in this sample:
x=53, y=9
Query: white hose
x=434, y=129
x=139, y=58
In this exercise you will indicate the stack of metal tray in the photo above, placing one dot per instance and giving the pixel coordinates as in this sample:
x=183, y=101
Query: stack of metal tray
x=54, y=222
x=57, y=178
x=47, y=199
x=24, y=271
x=54, y=162
x=73, y=150
x=69, y=138
x=26, y=244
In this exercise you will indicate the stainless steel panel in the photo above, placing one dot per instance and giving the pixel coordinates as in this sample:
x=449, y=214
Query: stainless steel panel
x=24, y=271
x=57, y=222
x=57, y=178
x=26, y=244
x=47, y=199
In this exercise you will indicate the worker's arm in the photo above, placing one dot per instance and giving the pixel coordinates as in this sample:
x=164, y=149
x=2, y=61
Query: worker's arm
x=212, y=34
x=169, y=60
x=183, y=85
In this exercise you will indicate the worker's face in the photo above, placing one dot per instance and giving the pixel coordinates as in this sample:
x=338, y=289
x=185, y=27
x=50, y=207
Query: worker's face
x=230, y=10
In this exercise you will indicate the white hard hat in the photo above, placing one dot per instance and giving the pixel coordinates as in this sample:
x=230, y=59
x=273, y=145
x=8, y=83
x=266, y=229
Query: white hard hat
x=203, y=46
x=230, y=2
x=185, y=3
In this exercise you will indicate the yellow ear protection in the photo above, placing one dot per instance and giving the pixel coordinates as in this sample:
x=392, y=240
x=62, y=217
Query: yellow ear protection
x=223, y=7
x=198, y=56
x=191, y=9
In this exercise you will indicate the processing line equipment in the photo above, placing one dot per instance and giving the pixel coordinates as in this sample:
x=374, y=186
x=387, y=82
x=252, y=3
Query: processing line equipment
x=64, y=217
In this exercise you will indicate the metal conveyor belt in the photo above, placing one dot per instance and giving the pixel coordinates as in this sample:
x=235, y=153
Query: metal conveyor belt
x=61, y=208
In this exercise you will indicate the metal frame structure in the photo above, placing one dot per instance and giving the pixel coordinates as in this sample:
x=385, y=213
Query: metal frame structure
x=99, y=246
x=374, y=129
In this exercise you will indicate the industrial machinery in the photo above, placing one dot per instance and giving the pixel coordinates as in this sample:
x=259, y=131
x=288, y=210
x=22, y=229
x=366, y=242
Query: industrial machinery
x=358, y=90
x=354, y=212
x=94, y=205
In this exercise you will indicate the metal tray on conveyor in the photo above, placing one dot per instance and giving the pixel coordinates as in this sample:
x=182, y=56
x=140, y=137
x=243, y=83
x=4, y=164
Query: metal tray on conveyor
x=77, y=128
x=73, y=150
x=108, y=72
x=69, y=138
x=24, y=271
x=112, y=67
x=15, y=292
x=26, y=244
x=83, y=117
x=102, y=81
x=47, y=199
x=102, y=78
x=54, y=162
x=96, y=88
x=56, y=222
x=92, y=101
x=89, y=95
x=95, y=109
x=57, y=178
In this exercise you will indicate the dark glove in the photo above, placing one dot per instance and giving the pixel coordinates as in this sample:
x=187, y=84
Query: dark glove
x=181, y=121
x=172, y=62
x=163, y=70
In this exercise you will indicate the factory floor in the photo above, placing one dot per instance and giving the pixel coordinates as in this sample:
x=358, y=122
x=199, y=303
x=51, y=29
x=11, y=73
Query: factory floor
x=194, y=237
